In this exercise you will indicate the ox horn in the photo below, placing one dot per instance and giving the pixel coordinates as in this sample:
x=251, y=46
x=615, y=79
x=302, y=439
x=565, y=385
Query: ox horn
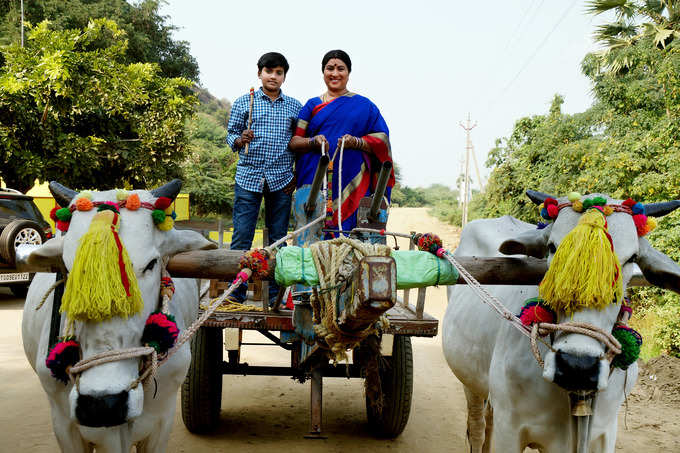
x=538, y=197
x=62, y=194
x=169, y=190
x=662, y=208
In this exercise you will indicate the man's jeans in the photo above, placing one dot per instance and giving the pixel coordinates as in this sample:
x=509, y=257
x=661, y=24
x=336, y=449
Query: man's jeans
x=246, y=209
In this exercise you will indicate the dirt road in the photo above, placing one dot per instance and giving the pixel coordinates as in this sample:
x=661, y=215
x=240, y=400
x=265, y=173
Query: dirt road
x=262, y=414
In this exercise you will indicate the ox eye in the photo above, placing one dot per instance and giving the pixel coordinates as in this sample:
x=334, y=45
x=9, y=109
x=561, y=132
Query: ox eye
x=151, y=265
x=551, y=248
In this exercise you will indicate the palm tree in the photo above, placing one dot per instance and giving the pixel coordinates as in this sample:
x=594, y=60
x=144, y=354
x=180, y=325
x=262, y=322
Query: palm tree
x=658, y=20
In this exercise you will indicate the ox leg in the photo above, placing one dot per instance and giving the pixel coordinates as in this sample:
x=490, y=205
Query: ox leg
x=507, y=437
x=488, y=428
x=475, y=421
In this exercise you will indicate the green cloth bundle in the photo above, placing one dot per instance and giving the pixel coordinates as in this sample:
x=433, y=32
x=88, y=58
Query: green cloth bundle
x=415, y=269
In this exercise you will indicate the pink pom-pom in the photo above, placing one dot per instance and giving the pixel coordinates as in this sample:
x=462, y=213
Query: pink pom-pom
x=552, y=210
x=61, y=357
x=243, y=276
x=640, y=221
x=535, y=311
x=441, y=252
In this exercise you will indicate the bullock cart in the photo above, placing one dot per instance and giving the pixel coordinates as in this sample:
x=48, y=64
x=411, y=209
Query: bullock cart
x=217, y=344
x=373, y=285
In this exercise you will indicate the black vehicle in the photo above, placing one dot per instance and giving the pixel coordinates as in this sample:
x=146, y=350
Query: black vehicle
x=20, y=223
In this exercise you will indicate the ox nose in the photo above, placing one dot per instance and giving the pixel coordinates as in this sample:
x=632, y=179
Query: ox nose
x=100, y=411
x=576, y=372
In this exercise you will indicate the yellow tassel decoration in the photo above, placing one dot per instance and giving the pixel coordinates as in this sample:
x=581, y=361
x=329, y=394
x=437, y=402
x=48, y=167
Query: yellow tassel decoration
x=585, y=271
x=96, y=287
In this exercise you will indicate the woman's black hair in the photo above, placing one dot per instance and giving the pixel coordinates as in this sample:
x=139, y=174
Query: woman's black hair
x=340, y=55
x=271, y=60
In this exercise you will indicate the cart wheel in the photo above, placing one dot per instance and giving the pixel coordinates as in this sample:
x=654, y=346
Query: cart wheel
x=396, y=378
x=202, y=388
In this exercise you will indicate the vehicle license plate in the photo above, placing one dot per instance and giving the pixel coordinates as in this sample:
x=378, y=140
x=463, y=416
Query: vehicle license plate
x=19, y=277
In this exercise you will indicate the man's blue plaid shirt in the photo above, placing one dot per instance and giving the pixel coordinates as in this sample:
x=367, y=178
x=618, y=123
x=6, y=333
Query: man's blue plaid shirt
x=268, y=155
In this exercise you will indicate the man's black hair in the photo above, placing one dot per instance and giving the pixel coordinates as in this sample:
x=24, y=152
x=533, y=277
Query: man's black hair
x=340, y=55
x=271, y=60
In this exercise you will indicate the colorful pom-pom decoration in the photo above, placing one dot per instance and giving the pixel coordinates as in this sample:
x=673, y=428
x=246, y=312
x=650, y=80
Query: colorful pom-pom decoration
x=552, y=211
x=574, y=196
x=545, y=214
x=53, y=213
x=63, y=226
x=256, y=261
x=63, y=356
x=167, y=287
x=640, y=221
x=108, y=205
x=608, y=210
x=160, y=332
x=631, y=342
x=166, y=224
x=429, y=242
x=162, y=203
x=629, y=203
x=132, y=202
x=86, y=194
x=121, y=194
x=541, y=225
x=64, y=214
x=84, y=204
x=577, y=206
x=158, y=216
x=638, y=208
x=535, y=310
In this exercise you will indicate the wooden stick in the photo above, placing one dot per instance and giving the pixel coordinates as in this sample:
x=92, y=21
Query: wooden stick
x=250, y=114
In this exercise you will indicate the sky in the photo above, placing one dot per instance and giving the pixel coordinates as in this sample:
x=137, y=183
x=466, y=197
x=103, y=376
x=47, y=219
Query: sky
x=426, y=64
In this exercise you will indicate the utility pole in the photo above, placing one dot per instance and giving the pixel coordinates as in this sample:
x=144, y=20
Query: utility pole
x=466, y=182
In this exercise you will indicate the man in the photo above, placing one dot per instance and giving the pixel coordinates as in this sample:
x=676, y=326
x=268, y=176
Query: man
x=266, y=170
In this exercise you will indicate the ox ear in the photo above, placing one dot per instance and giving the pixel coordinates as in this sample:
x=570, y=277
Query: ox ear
x=176, y=241
x=47, y=255
x=658, y=268
x=531, y=243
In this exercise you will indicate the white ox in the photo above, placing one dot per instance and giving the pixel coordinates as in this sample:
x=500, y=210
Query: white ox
x=138, y=417
x=508, y=395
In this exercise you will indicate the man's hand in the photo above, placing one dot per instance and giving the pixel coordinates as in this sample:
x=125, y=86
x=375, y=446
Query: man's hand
x=290, y=187
x=246, y=137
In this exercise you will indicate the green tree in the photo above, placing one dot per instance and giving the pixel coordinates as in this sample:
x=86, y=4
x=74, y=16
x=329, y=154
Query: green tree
x=149, y=33
x=210, y=167
x=636, y=21
x=71, y=109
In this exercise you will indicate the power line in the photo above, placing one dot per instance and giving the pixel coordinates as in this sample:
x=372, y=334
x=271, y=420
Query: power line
x=531, y=57
x=518, y=30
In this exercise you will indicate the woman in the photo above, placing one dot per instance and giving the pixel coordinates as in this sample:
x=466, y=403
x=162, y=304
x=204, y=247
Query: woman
x=328, y=119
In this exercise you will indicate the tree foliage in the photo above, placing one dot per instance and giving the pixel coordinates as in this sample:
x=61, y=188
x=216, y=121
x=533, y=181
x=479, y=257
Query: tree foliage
x=72, y=109
x=626, y=145
x=210, y=167
x=149, y=33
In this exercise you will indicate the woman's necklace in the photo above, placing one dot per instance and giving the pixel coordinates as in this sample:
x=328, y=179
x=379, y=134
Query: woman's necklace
x=327, y=97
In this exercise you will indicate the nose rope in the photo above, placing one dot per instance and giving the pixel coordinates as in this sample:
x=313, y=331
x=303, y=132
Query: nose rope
x=613, y=346
x=115, y=356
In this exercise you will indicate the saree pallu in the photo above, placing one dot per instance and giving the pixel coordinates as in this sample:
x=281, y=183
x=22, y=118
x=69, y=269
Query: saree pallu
x=348, y=114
